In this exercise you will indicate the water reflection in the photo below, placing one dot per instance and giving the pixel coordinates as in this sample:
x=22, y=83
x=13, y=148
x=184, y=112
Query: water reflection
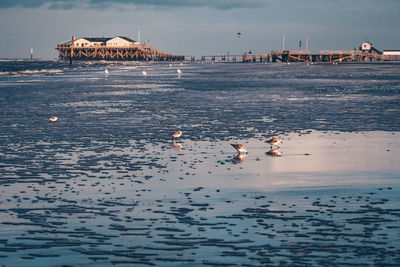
x=274, y=153
x=241, y=157
x=177, y=145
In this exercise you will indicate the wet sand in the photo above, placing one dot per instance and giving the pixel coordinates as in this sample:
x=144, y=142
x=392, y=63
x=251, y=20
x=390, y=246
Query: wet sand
x=331, y=198
x=107, y=185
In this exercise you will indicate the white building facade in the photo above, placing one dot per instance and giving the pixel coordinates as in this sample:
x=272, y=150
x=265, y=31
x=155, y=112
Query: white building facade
x=392, y=54
x=118, y=41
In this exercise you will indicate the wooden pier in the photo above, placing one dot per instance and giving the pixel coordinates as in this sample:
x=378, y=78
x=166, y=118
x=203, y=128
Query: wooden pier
x=326, y=56
x=124, y=48
x=137, y=52
x=302, y=56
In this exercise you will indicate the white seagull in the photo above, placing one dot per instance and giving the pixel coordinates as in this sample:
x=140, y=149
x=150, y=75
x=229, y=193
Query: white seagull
x=53, y=118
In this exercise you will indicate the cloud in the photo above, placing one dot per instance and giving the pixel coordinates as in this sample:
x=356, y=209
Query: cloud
x=102, y=4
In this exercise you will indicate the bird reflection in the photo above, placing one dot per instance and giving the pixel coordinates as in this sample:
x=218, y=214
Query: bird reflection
x=274, y=153
x=241, y=157
x=177, y=145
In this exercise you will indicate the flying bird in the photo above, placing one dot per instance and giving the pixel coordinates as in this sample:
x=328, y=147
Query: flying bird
x=144, y=73
x=239, y=148
x=238, y=34
x=106, y=71
x=179, y=71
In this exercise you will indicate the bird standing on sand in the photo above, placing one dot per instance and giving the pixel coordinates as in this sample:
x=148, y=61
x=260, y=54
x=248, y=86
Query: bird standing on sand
x=144, y=73
x=176, y=134
x=53, y=118
x=239, y=148
x=274, y=141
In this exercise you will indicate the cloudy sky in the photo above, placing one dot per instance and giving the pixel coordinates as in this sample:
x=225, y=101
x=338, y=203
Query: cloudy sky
x=200, y=27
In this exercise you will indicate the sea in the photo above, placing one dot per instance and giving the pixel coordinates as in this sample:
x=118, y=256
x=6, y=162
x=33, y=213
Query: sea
x=106, y=184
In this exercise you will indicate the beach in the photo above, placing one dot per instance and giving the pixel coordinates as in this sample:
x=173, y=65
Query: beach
x=106, y=184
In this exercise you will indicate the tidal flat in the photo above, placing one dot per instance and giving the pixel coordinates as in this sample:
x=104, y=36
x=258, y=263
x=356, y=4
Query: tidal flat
x=107, y=184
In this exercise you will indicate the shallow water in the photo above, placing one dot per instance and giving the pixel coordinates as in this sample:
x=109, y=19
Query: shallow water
x=105, y=184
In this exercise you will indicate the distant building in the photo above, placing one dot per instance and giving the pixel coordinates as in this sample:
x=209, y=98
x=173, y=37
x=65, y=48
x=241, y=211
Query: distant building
x=369, y=48
x=111, y=48
x=118, y=41
x=90, y=42
x=392, y=54
x=366, y=46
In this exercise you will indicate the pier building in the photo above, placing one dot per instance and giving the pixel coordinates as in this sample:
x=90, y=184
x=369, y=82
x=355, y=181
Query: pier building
x=393, y=55
x=110, y=48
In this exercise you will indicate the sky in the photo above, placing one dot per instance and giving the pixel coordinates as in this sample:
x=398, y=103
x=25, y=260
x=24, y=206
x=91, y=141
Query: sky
x=200, y=27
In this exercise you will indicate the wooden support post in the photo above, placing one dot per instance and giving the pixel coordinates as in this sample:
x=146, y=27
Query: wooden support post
x=72, y=49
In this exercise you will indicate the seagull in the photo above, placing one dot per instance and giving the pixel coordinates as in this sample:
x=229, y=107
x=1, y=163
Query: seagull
x=274, y=153
x=273, y=142
x=239, y=148
x=176, y=134
x=178, y=71
x=53, y=118
x=144, y=73
x=170, y=65
x=181, y=64
x=106, y=71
